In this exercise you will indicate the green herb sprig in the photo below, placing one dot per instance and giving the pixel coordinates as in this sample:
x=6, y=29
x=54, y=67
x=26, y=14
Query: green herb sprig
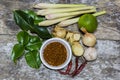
x=29, y=45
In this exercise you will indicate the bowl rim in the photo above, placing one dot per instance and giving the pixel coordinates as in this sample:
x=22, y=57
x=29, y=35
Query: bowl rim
x=67, y=46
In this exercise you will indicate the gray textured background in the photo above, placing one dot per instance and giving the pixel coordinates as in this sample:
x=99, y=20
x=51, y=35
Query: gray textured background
x=107, y=65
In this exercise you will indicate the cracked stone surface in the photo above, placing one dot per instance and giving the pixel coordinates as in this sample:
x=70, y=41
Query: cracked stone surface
x=107, y=65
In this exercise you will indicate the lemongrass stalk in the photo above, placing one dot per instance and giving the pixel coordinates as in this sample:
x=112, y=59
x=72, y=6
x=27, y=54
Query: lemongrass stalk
x=58, y=15
x=62, y=10
x=99, y=13
x=53, y=21
x=75, y=20
x=48, y=5
x=40, y=12
x=68, y=22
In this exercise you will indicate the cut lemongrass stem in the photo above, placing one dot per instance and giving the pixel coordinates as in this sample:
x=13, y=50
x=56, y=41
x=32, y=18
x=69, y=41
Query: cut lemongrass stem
x=58, y=15
x=74, y=20
x=48, y=5
x=40, y=12
x=62, y=10
x=53, y=21
x=68, y=22
x=99, y=13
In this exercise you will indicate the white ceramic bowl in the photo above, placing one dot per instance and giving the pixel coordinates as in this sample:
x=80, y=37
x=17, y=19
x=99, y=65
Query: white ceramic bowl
x=67, y=46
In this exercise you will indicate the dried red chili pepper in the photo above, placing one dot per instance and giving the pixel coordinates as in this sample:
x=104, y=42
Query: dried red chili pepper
x=80, y=68
x=77, y=69
x=76, y=65
x=67, y=70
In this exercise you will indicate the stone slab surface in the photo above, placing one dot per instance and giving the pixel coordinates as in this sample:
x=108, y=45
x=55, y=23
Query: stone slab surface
x=108, y=28
x=107, y=65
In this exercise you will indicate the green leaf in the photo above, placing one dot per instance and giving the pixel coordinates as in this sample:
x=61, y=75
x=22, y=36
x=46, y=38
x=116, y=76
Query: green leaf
x=33, y=59
x=30, y=13
x=23, y=37
x=42, y=32
x=36, y=18
x=34, y=43
x=28, y=20
x=17, y=52
x=23, y=20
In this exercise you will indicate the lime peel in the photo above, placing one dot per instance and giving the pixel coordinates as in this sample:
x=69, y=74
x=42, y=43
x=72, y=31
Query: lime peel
x=89, y=22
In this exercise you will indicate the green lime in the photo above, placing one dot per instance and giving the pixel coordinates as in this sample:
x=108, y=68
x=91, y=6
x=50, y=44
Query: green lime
x=89, y=22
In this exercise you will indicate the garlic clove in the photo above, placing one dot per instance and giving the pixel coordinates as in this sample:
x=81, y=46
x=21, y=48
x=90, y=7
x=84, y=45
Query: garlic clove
x=90, y=54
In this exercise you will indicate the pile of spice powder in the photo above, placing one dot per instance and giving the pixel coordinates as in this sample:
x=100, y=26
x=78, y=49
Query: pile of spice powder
x=55, y=53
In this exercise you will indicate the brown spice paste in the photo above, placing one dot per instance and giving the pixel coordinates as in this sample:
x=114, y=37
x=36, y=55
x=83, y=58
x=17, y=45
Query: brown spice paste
x=55, y=53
